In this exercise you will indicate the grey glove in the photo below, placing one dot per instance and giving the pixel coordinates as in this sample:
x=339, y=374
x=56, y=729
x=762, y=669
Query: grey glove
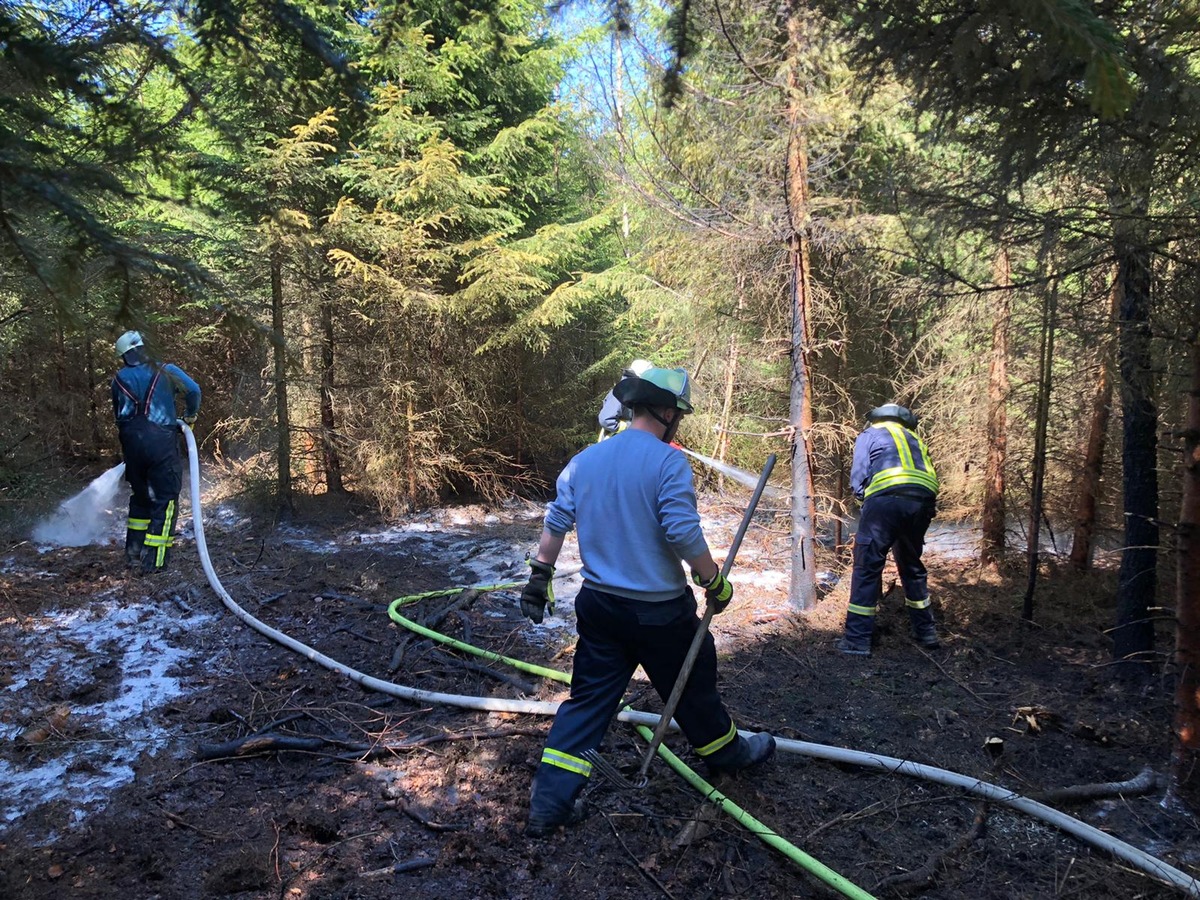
x=539, y=592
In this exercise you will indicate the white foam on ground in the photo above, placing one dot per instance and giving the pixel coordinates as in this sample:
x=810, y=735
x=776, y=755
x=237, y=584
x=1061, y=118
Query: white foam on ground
x=107, y=736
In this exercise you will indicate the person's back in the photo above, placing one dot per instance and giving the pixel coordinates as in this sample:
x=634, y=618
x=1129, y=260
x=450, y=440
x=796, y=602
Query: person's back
x=155, y=386
x=634, y=508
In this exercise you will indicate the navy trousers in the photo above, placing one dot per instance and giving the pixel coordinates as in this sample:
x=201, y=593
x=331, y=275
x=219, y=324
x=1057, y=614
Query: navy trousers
x=897, y=523
x=154, y=470
x=616, y=635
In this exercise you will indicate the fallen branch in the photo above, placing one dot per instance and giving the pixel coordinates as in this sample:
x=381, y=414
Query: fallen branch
x=262, y=744
x=1144, y=782
x=521, y=685
x=416, y=816
x=921, y=877
x=462, y=601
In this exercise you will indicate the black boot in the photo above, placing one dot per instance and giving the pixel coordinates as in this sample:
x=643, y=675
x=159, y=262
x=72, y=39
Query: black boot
x=540, y=826
x=135, y=546
x=749, y=753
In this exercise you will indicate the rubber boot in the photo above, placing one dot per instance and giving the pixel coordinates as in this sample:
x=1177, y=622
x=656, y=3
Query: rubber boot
x=746, y=754
x=857, y=641
x=539, y=826
x=150, y=560
x=923, y=629
x=135, y=546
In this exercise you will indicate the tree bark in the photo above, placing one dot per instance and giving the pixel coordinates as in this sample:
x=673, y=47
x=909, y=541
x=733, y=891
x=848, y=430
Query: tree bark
x=722, y=448
x=1093, y=456
x=1185, y=771
x=283, y=451
x=332, y=458
x=1041, y=426
x=1133, y=637
x=993, y=524
x=803, y=593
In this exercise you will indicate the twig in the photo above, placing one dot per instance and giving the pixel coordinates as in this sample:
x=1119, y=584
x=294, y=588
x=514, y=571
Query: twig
x=641, y=868
x=417, y=862
x=942, y=669
x=353, y=633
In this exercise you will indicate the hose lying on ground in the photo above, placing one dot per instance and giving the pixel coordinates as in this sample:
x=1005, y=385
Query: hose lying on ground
x=1139, y=859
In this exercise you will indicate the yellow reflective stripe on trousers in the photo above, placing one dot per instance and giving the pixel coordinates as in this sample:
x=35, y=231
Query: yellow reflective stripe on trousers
x=917, y=604
x=137, y=524
x=164, y=539
x=567, y=761
x=709, y=749
x=907, y=472
x=862, y=610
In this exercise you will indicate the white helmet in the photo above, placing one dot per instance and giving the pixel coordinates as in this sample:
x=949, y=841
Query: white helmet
x=128, y=341
x=638, y=366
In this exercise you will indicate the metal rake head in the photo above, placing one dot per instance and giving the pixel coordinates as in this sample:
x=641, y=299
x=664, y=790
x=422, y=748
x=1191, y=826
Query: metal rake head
x=611, y=773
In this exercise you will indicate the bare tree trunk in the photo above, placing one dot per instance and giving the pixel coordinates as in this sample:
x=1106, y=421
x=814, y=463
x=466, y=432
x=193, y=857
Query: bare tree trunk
x=332, y=458
x=1041, y=426
x=731, y=364
x=1186, y=764
x=993, y=524
x=803, y=592
x=1133, y=637
x=1093, y=456
x=283, y=452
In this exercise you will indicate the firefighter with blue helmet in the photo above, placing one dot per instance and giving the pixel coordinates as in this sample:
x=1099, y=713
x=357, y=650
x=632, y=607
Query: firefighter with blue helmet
x=893, y=475
x=144, y=396
x=632, y=501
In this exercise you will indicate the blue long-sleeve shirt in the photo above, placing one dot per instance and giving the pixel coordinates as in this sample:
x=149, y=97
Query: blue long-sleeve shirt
x=131, y=383
x=632, y=501
x=875, y=451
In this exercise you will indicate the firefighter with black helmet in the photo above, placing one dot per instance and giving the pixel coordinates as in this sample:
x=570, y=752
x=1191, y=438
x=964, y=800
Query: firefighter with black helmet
x=143, y=394
x=632, y=501
x=893, y=475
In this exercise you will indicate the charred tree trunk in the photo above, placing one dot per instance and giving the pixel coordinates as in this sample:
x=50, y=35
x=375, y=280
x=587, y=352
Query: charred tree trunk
x=1093, y=457
x=1041, y=426
x=1186, y=769
x=803, y=591
x=1133, y=637
x=993, y=525
x=332, y=458
x=283, y=451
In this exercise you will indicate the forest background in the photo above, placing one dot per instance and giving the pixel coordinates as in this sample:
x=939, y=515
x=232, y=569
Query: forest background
x=406, y=248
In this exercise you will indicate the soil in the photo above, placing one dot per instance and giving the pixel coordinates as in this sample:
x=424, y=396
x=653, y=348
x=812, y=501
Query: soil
x=279, y=779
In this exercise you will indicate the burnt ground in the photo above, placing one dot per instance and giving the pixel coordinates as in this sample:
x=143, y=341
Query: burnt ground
x=349, y=812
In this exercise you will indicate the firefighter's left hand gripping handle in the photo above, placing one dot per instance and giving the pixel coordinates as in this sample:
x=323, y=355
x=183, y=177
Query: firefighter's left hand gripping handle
x=717, y=591
x=539, y=592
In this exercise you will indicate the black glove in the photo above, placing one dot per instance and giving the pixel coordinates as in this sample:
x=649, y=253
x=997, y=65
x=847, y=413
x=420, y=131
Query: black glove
x=718, y=591
x=539, y=592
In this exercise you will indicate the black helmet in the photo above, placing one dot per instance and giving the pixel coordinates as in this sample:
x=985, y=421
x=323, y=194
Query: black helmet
x=894, y=412
x=668, y=388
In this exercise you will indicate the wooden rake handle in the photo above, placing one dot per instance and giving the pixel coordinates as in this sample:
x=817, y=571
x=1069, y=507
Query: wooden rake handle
x=689, y=661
